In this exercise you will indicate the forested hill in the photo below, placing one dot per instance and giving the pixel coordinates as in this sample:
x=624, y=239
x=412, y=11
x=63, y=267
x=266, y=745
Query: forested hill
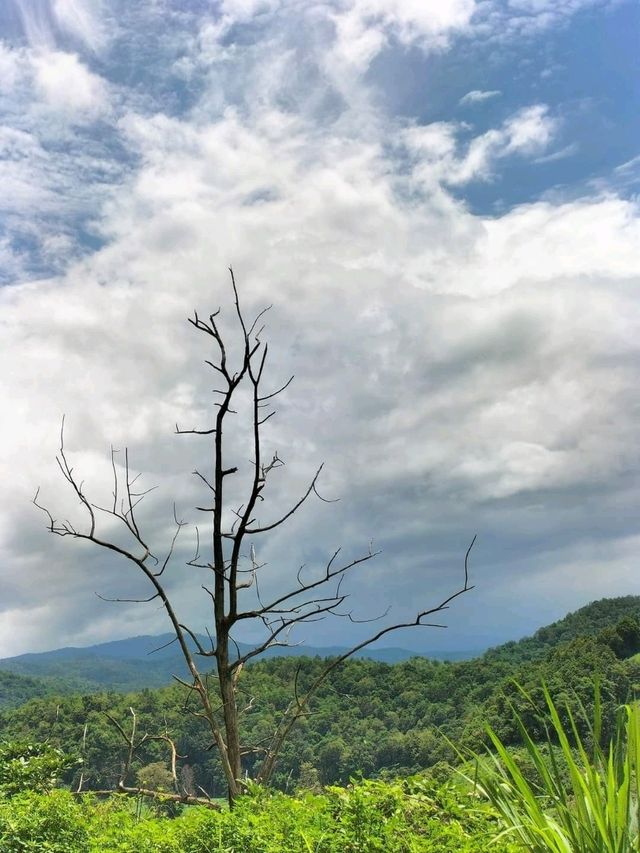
x=151, y=661
x=131, y=664
x=587, y=621
x=368, y=717
x=17, y=689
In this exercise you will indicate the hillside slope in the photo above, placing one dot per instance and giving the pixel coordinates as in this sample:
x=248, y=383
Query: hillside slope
x=369, y=717
x=585, y=622
x=151, y=661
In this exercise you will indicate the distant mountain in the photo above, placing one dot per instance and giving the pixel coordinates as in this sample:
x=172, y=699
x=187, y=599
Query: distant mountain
x=151, y=661
x=367, y=717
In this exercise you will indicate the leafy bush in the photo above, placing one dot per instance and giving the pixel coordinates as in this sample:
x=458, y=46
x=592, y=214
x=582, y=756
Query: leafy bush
x=42, y=823
x=30, y=767
x=408, y=816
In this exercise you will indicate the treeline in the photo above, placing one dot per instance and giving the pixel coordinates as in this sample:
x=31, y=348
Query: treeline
x=369, y=718
x=126, y=665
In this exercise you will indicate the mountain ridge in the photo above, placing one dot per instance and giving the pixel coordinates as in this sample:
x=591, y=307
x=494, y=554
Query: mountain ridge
x=131, y=663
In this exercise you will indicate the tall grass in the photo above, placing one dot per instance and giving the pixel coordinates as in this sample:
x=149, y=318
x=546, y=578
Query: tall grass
x=581, y=796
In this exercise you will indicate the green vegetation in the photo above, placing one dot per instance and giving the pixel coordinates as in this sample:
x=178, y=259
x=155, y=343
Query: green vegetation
x=585, y=622
x=30, y=767
x=126, y=665
x=409, y=816
x=17, y=689
x=544, y=779
x=583, y=797
x=370, y=719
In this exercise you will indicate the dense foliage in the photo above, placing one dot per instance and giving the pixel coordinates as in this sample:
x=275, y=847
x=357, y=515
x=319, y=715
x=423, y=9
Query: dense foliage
x=587, y=621
x=30, y=767
x=17, y=689
x=409, y=816
x=369, y=719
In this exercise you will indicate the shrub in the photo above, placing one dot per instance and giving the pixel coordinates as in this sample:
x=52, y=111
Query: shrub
x=42, y=823
x=28, y=766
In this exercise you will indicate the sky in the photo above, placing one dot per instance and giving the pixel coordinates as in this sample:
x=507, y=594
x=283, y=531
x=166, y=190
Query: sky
x=439, y=201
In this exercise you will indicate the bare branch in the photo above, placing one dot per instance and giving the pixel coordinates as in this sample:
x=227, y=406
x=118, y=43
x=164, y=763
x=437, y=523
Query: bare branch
x=204, y=480
x=296, y=506
x=127, y=600
x=306, y=587
x=279, y=391
x=289, y=719
x=179, y=526
x=194, y=431
x=161, y=796
x=201, y=650
x=163, y=646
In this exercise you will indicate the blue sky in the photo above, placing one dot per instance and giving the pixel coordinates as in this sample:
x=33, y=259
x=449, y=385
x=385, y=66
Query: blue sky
x=586, y=70
x=440, y=201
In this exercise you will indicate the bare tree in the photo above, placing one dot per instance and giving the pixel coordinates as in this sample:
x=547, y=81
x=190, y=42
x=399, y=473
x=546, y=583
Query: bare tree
x=180, y=793
x=235, y=574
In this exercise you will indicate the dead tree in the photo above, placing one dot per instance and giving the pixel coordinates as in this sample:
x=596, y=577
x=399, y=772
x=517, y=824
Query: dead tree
x=234, y=573
x=133, y=743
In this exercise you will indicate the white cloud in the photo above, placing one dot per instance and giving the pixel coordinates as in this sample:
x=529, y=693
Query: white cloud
x=559, y=154
x=10, y=67
x=68, y=87
x=489, y=382
x=37, y=22
x=412, y=19
x=242, y=10
x=363, y=26
x=530, y=130
x=539, y=7
x=478, y=96
x=45, y=21
x=515, y=20
x=436, y=148
x=547, y=242
x=82, y=19
x=630, y=166
x=52, y=79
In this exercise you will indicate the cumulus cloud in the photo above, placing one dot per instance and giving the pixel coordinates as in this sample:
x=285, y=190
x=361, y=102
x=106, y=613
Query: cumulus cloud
x=439, y=156
x=54, y=80
x=363, y=26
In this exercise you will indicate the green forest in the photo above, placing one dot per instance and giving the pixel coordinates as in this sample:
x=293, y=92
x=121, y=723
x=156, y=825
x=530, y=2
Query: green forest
x=383, y=760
